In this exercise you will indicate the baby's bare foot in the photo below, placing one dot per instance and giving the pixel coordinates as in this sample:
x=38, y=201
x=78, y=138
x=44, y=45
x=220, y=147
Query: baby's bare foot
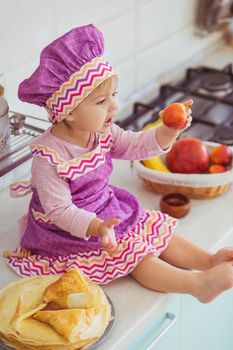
x=214, y=281
x=224, y=254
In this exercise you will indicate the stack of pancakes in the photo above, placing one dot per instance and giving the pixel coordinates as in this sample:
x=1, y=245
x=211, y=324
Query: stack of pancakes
x=53, y=313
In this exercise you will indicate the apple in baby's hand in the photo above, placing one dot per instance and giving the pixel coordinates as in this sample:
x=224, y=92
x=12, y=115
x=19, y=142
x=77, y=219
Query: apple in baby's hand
x=175, y=114
x=216, y=168
x=221, y=155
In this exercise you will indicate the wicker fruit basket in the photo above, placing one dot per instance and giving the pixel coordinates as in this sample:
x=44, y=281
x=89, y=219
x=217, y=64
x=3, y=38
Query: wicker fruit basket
x=198, y=186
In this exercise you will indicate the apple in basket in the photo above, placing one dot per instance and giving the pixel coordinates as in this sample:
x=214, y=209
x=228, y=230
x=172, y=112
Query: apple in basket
x=188, y=156
x=216, y=168
x=221, y=155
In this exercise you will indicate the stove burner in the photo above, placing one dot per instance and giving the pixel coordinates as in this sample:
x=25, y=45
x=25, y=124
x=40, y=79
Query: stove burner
x=217, y=84
x=214, y=82
x=224, y=134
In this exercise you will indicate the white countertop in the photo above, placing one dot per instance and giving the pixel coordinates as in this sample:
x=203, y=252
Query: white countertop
x=219, y=58
x=207, y=224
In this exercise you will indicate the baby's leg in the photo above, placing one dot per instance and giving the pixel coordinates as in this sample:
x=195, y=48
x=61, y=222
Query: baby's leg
x=183, y=253
x=158, y=275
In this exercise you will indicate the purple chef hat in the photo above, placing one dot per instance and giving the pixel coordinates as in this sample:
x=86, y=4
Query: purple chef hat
x=70, y=68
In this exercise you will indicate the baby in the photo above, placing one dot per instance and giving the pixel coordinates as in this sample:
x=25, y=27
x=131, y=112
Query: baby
x=75, y=217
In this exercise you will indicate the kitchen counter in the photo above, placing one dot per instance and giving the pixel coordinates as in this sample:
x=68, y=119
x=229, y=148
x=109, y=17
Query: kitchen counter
x=209, y=222
x=220, y=58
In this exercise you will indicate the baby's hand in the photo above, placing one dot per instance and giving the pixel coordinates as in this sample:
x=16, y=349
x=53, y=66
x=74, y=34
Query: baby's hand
x=188, y=114
x=106, y=232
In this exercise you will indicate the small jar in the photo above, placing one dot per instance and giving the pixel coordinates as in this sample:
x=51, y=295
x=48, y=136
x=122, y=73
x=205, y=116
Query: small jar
x=175, y=204
x=1, y=90
x=4, y=127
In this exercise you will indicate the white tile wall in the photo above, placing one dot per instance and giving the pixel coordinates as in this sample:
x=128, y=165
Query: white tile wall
x=120, y=38
x=74, y=13
x=13, y=79
x=157, y=21
x=126, y=76
x=25, y=28
x=167, y=55
x=147, y=41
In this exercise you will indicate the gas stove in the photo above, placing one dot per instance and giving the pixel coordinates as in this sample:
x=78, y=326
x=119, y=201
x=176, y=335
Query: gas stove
x=212, y=111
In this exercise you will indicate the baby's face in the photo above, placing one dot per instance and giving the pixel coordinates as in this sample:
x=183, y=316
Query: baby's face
x=98, y=110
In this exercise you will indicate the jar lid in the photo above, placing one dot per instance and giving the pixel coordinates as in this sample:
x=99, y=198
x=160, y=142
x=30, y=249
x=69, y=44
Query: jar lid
x=4, y=108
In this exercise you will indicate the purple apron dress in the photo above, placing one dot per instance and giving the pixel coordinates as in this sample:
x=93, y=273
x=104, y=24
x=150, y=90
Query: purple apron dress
x=54, y=251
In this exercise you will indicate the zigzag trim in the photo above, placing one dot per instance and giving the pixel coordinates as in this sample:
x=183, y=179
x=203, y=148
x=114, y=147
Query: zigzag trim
x=40, y=217
x=79, y=166
x=80, y=74
x=83, y=164
x=78, y=87
x=47, y=153
x=76, y=167
x=82, y=88
x=74, y=100
x=20, y=188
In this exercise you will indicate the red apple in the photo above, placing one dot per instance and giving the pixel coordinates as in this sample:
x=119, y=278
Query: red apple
x=175, y=115
x=216, y=168
x=188, y=156
x=221, y=155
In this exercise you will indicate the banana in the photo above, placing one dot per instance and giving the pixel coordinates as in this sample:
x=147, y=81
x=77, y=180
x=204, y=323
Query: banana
x=156, y=163
x=152, y=125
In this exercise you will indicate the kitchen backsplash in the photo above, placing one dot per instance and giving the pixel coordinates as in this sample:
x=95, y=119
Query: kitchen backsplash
x=147, y=41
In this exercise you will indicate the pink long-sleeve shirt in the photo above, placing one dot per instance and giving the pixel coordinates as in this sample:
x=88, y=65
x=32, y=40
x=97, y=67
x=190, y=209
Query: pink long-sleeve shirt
x=54, y=192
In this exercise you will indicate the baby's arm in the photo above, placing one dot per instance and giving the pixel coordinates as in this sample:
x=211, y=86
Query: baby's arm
x=55, y=197
x=132, y=145
x=166, y=136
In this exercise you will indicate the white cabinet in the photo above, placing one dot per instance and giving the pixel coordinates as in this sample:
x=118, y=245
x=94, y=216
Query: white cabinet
x=186, y=324
x=162, y=333
x=207, y=326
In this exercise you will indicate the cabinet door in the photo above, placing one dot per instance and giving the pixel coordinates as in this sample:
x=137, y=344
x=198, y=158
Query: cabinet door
x=162, y=332
x=207, y=326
